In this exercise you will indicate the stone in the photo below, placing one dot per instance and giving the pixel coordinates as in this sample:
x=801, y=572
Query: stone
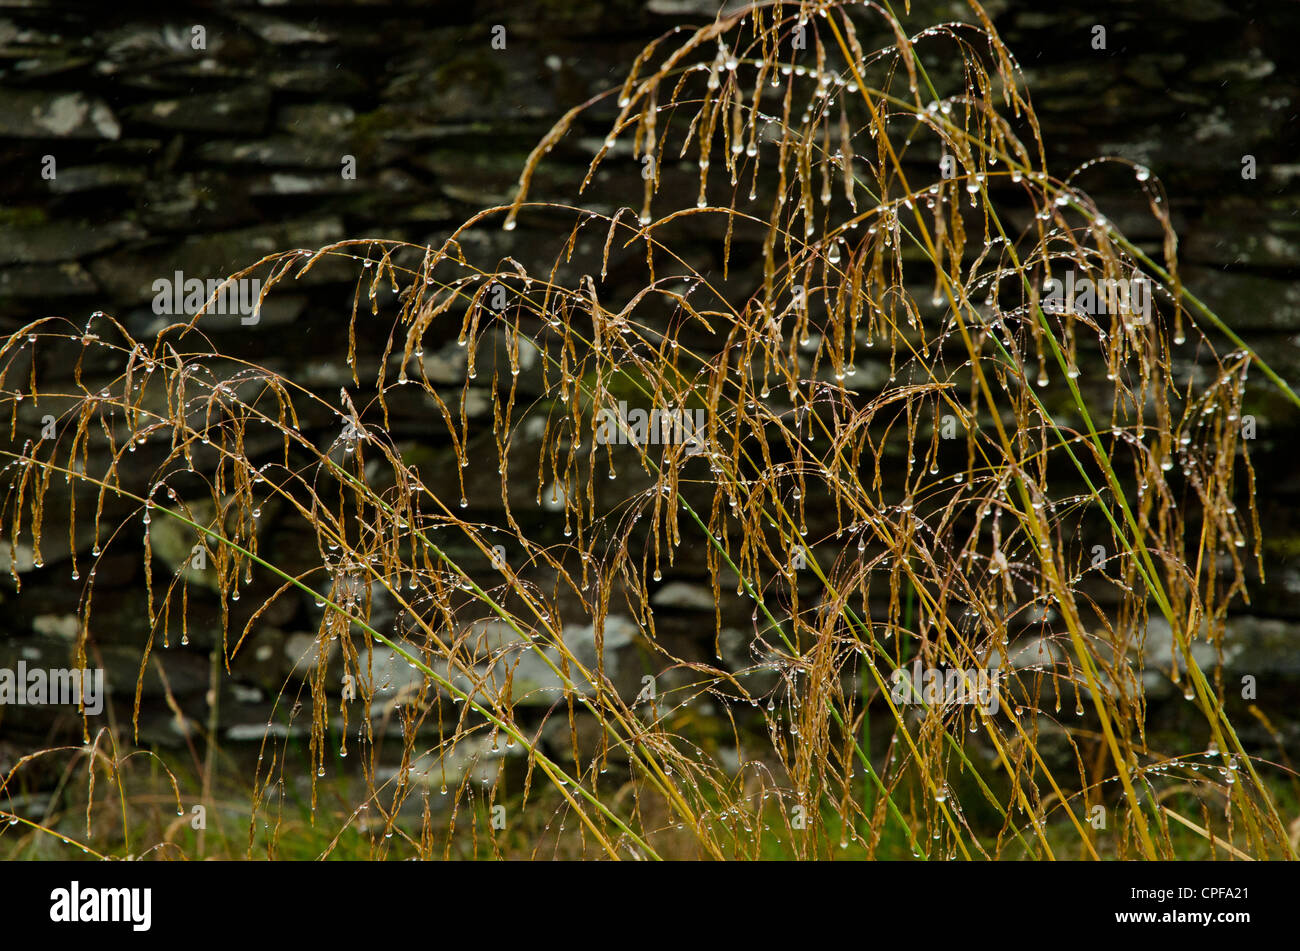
x=282, y=32
x=533, y=681
x=29, y=114
x=64, y=626
x=244, y=110
x=684, y=596
x=1246, y=301
x=277, y=150
x=46, y=281
x=62, y=241
x=1240, y=232
x=84, y=178
x=130, y=274
x=471, y=757
x=303, y=652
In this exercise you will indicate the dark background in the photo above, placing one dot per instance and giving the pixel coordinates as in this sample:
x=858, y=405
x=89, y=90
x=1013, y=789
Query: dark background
x=204, y=161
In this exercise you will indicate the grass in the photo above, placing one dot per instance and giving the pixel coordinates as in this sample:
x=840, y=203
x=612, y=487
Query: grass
x=1023, y=491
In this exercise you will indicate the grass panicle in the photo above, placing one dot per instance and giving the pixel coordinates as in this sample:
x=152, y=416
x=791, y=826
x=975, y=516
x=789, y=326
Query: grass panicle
x=911, y=455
